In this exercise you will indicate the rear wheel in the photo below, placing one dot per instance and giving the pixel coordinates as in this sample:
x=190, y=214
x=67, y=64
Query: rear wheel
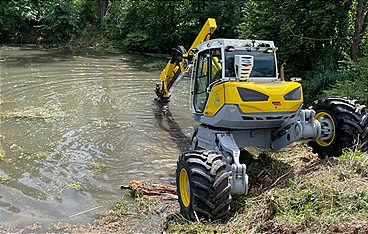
x=203, y=185
x=344, y=124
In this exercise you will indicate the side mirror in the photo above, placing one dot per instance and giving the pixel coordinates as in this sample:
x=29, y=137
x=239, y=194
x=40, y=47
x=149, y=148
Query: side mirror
x=282, y=72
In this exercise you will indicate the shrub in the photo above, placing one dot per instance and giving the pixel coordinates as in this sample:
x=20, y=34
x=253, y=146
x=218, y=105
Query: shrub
x=60, y=21
x=354, y=83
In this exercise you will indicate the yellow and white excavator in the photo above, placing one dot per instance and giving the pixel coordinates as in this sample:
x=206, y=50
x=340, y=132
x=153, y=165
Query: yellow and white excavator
x=240, y=101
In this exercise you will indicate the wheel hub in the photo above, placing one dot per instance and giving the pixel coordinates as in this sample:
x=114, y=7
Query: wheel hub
x=327, y=128
x=184, y=187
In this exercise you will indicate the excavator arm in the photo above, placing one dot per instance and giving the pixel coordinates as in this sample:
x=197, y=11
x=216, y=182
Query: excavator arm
x=180, y=62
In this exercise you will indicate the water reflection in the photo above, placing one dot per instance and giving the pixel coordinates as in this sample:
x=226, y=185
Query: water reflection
x=163, y=114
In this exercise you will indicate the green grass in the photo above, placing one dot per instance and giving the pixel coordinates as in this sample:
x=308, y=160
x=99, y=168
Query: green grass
x=121, y=208
x=318, y=197
x=144, y=203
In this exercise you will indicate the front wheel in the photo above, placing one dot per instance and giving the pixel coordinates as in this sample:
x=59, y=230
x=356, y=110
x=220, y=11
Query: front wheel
x=203, y=185
x=344, y=124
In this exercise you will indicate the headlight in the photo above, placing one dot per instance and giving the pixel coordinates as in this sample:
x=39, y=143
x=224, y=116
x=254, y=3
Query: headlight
x=294, y=95
x=248, y=95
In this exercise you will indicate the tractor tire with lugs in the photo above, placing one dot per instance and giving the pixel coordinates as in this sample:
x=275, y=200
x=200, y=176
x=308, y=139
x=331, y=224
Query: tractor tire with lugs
x=350, y=126
x=203, y=185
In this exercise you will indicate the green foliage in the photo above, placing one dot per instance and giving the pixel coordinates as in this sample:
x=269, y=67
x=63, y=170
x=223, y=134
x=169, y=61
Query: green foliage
x=354, y=84
x=114, y=22
x=327, y=196
x=120, y=209
x=145, y=203
x=60, y=21
x=319, y=79
x=355, y=161
x=187, y=227
x=304, y=31
x=17, y=19
x=160, y=25
x=137, y=41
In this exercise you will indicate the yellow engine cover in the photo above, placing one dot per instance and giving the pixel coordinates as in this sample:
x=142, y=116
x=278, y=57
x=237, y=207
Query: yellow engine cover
x=227, y=93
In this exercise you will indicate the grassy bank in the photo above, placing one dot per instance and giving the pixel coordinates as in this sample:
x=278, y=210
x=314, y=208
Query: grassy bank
x=292, y=191
x=295, y=192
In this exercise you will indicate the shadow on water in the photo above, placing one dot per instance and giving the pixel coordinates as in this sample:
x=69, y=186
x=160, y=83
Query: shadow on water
x=47, y=56
x=164, y=117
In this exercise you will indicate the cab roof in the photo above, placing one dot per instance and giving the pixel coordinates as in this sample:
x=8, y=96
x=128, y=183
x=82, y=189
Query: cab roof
x=236, y=43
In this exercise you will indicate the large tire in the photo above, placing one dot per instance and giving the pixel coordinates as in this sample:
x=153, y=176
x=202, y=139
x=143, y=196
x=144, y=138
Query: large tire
x=350, y=121
x=203, y=185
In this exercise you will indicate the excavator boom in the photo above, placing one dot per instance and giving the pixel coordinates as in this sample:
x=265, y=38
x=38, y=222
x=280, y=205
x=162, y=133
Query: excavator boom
x=204, y=35
x=180, y=62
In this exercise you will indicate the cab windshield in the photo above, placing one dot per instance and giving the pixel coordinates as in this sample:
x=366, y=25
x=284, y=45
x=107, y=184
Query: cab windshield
x=264, y=63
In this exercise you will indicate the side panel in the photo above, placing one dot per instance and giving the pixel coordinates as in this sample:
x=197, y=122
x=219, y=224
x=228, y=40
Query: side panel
x=215, y=101
x=275, y=92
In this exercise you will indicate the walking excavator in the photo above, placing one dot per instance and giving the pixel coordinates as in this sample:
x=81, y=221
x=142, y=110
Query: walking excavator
x=240, y=99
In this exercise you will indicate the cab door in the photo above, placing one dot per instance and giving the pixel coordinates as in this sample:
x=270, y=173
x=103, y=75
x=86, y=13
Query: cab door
x=208, y=70
x=200, y=94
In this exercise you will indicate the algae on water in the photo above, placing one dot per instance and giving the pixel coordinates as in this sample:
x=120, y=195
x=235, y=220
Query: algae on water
x=3, y=179
x=30, y=112
x=77, y=186
x=5, y=101
x=2, y=154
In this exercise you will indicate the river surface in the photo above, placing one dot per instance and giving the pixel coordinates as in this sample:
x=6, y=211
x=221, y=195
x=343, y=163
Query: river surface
x=75, y=126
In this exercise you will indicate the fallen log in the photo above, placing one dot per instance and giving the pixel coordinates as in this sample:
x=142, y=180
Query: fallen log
x=159, y=191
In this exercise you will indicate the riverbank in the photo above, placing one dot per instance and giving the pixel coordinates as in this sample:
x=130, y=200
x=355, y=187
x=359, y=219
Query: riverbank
x=292, y=191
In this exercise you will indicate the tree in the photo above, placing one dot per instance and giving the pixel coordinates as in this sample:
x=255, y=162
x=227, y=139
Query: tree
x=308, y=32
x=360, y=27
x=103, y=4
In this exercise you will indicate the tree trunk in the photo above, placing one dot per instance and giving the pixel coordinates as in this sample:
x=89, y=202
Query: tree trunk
x=103, y=4
x=361, y=23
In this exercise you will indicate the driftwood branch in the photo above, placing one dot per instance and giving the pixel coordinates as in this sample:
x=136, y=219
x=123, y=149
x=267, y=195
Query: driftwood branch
x=160, y=191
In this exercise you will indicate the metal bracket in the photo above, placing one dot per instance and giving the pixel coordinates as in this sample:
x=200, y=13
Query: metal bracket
x=238, y=179
x=223, y=142
x=305, y=128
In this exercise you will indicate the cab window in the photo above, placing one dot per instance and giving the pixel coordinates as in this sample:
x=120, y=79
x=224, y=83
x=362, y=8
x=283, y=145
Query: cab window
x=201, y=81
x=209, y=69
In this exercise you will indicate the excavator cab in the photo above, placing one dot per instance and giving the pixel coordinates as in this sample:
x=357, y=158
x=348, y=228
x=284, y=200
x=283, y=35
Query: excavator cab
x=236, y=85
x=243, y=63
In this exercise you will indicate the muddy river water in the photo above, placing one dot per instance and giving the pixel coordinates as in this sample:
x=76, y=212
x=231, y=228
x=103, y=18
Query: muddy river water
x=75, y=125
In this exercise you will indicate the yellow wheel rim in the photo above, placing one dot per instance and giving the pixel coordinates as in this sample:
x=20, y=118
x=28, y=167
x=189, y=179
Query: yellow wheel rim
x=325, y=117
x=184, y=187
